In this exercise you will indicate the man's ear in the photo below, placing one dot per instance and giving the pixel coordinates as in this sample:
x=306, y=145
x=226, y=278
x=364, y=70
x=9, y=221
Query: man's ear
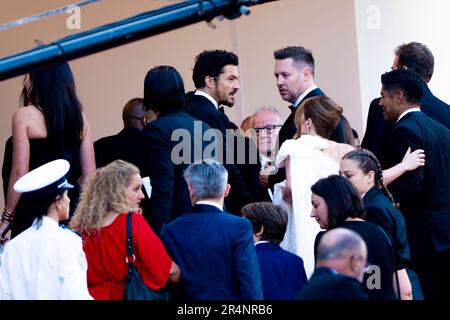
x=191, y=192
x=307, y=72
x=399, y=96
x=260, y=232
x=227, y=190
x=210, y=82
x=144, y=120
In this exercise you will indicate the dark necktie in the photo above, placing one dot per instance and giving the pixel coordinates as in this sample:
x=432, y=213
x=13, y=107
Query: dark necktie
x=292, y=108
x=221, y=109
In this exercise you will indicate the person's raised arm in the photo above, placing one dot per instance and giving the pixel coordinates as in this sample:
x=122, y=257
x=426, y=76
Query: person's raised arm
x=411, y=161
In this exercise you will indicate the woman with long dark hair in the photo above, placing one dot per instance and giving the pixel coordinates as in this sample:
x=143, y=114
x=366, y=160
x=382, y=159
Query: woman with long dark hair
x=51, y=125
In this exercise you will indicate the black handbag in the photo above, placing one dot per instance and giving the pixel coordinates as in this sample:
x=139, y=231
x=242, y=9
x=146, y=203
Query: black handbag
x=135, y=289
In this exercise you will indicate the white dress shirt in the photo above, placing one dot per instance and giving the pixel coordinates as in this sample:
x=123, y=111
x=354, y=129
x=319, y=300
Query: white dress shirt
x=210, y=203
x=45, y=263
x=303, y=95
x=406, y=112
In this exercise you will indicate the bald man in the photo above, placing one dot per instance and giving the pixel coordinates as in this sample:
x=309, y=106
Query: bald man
x=341, y=260
x=127, y=144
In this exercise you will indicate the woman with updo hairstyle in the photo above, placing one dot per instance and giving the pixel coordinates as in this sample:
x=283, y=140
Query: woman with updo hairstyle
x=109, y=195
x=363, y=170
x=307, y=158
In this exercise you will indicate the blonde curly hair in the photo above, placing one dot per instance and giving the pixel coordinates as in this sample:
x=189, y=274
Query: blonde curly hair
x=103, y=192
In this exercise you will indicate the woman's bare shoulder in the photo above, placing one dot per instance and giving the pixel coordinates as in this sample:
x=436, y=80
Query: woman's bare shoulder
x=27, y=112
x=344, y=148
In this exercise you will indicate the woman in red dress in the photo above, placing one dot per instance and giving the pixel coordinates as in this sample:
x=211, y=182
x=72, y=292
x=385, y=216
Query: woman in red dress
x=110, y=193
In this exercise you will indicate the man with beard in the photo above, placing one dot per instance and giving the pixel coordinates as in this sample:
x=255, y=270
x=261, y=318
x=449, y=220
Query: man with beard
x=216, y=79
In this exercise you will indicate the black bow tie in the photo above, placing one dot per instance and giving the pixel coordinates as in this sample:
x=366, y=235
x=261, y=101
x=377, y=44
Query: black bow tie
x=292, y=108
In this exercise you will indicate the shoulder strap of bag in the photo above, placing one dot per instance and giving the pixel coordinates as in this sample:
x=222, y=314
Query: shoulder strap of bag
x=130, y=256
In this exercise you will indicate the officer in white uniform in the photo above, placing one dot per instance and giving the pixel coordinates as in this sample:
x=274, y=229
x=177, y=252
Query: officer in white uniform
x=45, y=261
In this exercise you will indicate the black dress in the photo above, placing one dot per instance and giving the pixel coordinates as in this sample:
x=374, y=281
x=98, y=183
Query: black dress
x=379, y=253
x=41, y=152
x=381, y=211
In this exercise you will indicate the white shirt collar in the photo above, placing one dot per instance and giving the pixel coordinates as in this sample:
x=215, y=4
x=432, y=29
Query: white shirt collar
x=261, y=241
x=210, y=203
x=408, y=111
x=207, y=96
x=264, y=159
x=47, y=221
x=303, y=95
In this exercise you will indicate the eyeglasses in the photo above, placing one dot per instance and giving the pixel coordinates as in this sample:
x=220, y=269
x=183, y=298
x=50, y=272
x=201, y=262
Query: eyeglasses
x=268, y=129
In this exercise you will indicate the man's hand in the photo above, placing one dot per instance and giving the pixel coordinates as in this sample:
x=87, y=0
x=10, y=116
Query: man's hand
x=264, y=175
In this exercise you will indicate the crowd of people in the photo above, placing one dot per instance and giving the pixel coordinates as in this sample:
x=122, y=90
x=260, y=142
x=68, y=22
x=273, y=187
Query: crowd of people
x=276, y=210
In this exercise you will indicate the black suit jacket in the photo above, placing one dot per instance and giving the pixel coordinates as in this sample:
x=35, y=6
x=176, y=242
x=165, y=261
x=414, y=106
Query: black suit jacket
x=166, y=160
x=202, y=109
x=126, y=145
x=380, y=211
x=423, y=194
x=325, y=284
x=378, y=130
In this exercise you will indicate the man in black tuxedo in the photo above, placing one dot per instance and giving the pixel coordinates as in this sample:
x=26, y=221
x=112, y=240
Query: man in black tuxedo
x=341, y=260
x=216, y=79
x=417, y=58
x=424, y=193
x=127, y=144
x=294, y=72
x=171, y=142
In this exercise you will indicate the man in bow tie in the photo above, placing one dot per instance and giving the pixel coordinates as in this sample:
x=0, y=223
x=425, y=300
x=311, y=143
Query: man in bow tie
x=294, y=72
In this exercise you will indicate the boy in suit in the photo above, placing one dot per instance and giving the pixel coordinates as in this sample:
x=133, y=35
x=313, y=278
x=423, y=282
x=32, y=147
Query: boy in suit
x=282, y=272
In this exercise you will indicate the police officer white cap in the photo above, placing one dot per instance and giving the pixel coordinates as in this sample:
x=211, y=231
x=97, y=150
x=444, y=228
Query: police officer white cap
x=45, y=181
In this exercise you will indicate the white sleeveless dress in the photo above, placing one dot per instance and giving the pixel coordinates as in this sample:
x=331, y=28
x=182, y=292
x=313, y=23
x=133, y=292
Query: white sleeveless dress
x=308, y=164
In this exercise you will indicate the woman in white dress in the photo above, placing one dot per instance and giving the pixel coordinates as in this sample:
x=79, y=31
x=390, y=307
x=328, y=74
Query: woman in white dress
x=309, y=157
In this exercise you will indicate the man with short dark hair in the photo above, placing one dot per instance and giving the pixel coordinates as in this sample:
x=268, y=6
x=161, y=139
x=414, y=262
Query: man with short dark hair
x=341, y=260
x=213, y=249
x=294, y=72
x=417, y=58
x=216, y=78
x=424, y=193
